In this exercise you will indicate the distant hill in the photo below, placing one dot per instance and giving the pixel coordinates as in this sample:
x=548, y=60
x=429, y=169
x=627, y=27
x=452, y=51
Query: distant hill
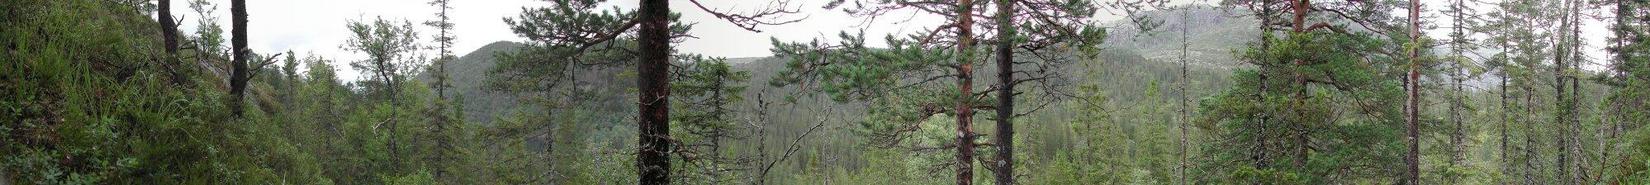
x=1213, y=34
x=1130, y=61
x=469, y=74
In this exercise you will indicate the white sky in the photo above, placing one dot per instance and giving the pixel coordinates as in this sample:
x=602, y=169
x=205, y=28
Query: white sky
x=317, y=26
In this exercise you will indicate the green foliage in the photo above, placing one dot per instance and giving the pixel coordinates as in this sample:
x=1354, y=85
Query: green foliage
x=1630, y=92
x=98, y=110
x=1344, y=123
x=851, y=71
x=209, y=34
x=93, y=111
x=390, y=49
x=416, y=178
x=706, y=122
x=1101, y=153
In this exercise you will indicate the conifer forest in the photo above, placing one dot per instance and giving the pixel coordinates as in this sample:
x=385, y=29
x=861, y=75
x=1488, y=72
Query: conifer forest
x=654, y=92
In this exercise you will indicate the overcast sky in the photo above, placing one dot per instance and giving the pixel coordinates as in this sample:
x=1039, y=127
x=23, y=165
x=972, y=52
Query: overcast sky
x=317, y=26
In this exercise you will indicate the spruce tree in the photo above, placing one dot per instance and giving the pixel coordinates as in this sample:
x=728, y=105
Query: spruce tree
x=444, y=120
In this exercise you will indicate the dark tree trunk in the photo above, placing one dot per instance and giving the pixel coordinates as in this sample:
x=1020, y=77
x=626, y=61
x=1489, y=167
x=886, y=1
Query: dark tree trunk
x=391, y=90
x=238, y=75
x=1005, y=94
x=1529, y=170
x=653, y=81
x=169, y=35
x=1561, y=117
x=1505, y=109
x=1457, y=135
x=1258, y=155
x=168, y=27
x=965, y=94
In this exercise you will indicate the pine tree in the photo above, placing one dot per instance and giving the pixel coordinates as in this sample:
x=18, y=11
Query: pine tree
x=390, y=49
x=965, y=91
x=869, y=71
x=653, y=83
x=1059, y=32
x=1283, y=127
x=168, y=27
x=241, y=68
x=1412, y=108
x=238, y=50
x=1267, y=11
x=169, y=36
x=1056, y=40
x=579, y=36
x=1003, y=169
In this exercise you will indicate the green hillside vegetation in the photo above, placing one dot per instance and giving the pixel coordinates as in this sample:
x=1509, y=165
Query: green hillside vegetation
x=836, y=146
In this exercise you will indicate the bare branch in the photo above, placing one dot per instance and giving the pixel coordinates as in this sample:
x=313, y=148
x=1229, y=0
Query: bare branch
x=765, y=17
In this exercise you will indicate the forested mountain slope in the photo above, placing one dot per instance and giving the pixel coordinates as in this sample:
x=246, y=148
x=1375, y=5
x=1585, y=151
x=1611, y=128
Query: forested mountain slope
x=1129, y=57
x=1214, y=35
x=469, y=73
x=1136, y=85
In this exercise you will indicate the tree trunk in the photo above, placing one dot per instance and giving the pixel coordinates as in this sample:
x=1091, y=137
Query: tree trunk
x=1561, y=117
x=442, y=118
x=965, y=97
x=1575, y=177
x=169, y=33
x=1455, y=99
x=394, y=90
x=1505, y=110
x=168, y=27
x=1259, y=154
x=238, y=76
x=1185, y=106
x=1528, y=149
x=653, y=81
x=1005, y=94
x=1411, y=105
x=1611, y=124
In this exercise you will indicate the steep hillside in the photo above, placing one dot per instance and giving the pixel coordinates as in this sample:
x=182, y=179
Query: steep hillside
x=469, y=75
x=1214, y=33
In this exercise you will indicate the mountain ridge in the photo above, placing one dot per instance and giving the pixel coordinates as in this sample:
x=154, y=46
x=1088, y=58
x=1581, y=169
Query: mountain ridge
x=1210, y=51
